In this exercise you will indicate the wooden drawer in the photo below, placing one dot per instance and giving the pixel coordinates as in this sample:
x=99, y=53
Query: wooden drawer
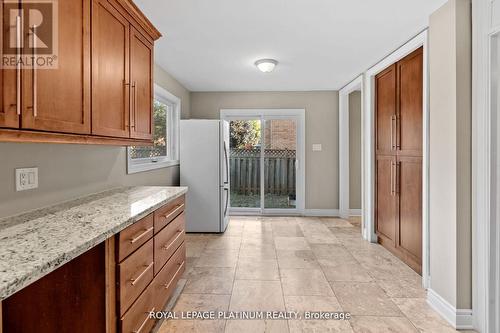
x=137, y=320
x=167, y=241
x=167, y=213
x=166, y=280
x=134, y=275
x=134, y=236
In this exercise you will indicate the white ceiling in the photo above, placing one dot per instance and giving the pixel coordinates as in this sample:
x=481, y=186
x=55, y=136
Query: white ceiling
x=211, y=45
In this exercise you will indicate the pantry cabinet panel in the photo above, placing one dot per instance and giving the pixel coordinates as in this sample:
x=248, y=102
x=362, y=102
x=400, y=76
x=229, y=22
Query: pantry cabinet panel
x=385, y=199
x=141, y=79
x=110, y=71
x=386, y=110
x=58, y=99
x=409, y=183
x=410, y=108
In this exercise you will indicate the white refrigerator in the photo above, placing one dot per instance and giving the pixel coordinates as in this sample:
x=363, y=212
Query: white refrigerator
x=204, y=168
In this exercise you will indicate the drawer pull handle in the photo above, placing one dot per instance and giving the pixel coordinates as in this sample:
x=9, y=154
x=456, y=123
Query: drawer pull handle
x=144, y=322
x=135, y=280
x=174, y=211
x=179, y=234
x=167, y=285
x=135, y=239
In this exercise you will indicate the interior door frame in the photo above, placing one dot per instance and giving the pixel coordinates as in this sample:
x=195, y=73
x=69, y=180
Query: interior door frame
x=485, y=183
x=368, y=146
x=344, y=148
x=262, y=115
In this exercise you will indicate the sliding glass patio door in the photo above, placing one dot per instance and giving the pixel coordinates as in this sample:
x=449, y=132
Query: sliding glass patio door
x=244, y=164
x=265, y=152
x=280, y=162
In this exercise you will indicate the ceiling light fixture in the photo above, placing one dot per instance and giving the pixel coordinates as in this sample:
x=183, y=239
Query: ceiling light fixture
x=266, y=65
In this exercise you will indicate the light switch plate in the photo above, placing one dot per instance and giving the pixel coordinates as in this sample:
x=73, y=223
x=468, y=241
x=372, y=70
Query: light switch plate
x=317, y=147
x=26, y=179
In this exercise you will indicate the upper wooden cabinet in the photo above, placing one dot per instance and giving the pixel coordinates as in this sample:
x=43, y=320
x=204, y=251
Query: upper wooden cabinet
x=9, y=110
x=58, y=100
x=141, y=79
x=110, y=66
x=101, y=90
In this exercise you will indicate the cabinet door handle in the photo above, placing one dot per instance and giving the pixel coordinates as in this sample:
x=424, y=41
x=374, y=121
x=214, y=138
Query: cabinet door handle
x=397, y=187
x=173, y=211
x=167, y=285
x=134, y=104
x=398, y=132
x=393, y=145
x=144, y=322
x=179, y=234
x=135, y=280
x=392, y=178
x=18, y=66
x=136, y=238
x=35, y=97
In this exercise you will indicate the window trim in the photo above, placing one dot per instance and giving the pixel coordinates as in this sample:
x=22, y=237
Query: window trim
x=173, y=123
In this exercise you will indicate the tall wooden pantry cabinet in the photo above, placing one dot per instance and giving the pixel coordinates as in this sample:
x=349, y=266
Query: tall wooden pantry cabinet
x=398, y=151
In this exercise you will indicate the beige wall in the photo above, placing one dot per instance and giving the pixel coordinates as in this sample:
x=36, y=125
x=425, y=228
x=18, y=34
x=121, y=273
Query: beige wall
x=167, y=81
x=450, y=152
x=70, y=171
x=321, y=127
x=355, y=150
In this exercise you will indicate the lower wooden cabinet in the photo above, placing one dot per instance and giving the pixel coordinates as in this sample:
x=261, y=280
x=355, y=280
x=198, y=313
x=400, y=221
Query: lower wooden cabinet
x=147, y=277
x=70, y=299
x=110, y=288
x=155, y=297
x=135, y=273
x=167, y=241
x=166, y=280
x=137, y=319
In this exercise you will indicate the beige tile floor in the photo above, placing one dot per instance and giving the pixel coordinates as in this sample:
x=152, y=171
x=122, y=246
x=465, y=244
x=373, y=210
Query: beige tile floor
x=300, y=264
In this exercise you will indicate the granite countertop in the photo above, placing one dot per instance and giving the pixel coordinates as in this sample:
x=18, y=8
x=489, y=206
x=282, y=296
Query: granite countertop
x=36, y=243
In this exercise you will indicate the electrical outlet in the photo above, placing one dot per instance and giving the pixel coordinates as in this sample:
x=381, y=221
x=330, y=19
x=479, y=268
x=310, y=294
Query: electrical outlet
x=317, y=147
x=26, y=179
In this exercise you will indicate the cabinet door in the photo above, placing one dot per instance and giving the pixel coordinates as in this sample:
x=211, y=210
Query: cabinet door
x=385, y=109
x=110, y=71
x=409, y=189
x=8, y=83
x=410, y=104
x=385, y=201
x=58, y=99
x=141, y=80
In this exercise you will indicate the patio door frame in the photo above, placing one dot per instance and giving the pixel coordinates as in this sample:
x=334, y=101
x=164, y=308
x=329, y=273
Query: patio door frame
x=271, y=114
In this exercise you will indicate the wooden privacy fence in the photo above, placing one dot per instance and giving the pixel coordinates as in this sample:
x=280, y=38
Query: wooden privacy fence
x=279, y=171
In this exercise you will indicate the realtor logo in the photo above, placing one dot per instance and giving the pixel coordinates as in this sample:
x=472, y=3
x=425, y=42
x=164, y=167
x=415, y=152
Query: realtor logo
x=31, y=40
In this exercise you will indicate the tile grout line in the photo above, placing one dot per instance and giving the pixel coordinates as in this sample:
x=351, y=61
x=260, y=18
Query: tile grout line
x=234, y=276
x=279, y=274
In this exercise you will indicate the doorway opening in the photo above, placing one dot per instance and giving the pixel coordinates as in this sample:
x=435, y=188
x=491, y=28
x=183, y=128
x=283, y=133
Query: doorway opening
x=265, y=153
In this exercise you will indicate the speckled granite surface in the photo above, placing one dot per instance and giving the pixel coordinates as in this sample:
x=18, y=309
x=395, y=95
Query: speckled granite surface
x=36, y=243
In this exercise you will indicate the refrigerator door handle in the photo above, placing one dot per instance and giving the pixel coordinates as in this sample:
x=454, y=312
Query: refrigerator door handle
x=226, y=161
x=227, y=201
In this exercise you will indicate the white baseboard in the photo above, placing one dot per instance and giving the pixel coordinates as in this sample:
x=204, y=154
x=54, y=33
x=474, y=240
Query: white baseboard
x=459, y=318
x=321, y=212
x=355, y=212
